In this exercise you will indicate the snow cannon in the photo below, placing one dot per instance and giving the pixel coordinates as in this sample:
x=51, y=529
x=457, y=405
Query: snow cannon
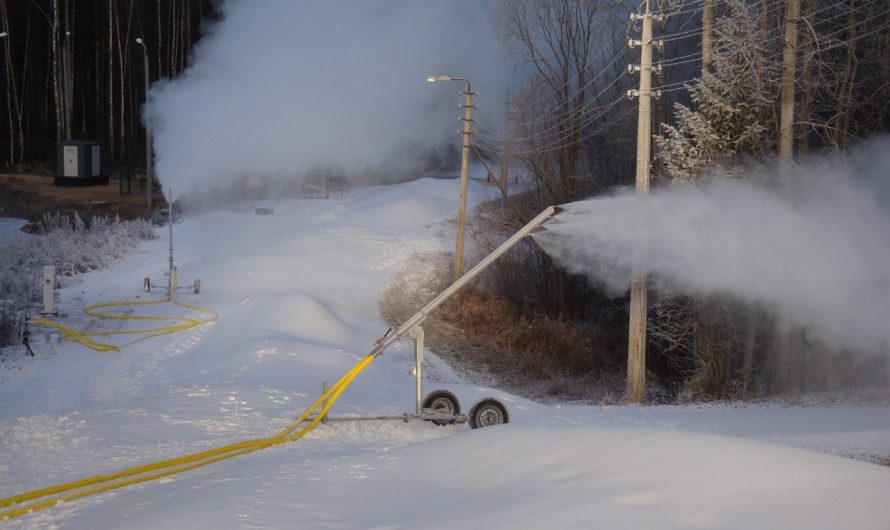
x=442, y=407
x=172, y=278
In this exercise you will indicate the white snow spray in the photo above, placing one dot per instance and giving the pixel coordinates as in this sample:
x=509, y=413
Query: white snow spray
x=279, y=89
x=817, y=252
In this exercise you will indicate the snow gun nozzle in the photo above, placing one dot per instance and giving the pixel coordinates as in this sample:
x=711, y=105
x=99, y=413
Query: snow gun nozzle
x=383, y=338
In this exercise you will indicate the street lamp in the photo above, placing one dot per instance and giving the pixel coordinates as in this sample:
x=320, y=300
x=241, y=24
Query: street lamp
x=464, y=162
x=148, y=155
x=67, y=82
x=3, y=34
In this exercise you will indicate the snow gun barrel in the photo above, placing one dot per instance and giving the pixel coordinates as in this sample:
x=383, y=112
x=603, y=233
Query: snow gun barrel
x=422, y=315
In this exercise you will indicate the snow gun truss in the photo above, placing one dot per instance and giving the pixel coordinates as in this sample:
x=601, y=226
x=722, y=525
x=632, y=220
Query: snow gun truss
x=441, y=406
x=172, y=278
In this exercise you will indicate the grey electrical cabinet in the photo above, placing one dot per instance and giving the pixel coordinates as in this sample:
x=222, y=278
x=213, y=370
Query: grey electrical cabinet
x=79, y=163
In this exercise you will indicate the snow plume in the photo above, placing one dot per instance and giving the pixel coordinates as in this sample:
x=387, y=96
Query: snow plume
x=279, y=90
x=817, y=252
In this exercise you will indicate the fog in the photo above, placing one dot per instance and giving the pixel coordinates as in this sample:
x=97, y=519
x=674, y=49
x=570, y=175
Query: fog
x=817, y=250
x=280, y=89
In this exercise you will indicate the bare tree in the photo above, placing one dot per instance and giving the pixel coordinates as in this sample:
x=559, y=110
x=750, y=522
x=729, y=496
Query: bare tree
x=555, y=39
x=12, y=106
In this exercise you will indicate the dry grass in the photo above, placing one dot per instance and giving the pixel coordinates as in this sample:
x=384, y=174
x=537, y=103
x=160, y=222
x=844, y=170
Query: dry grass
x=477, y=331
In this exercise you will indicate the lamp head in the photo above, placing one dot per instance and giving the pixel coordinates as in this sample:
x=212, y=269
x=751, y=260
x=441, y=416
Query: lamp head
x=434, y=78
x=139, y=40
x=3, y=34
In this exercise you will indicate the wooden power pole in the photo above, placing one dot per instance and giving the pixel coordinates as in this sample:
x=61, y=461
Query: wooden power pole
x=464, y=167
x=789, y=66
x=636, y=345
x=786, y=152
x=707, y=30
x=458, y=269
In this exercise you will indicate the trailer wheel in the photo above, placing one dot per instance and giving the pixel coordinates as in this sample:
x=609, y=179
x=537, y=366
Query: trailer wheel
x=443, y=401
x=487, y=412
x=147, y=285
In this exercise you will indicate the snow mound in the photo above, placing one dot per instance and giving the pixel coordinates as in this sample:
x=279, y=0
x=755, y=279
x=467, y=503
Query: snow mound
x=532, y=476
x=296, y=315
x=405, y=213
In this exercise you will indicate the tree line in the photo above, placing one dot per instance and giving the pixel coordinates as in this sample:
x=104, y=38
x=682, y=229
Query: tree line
x=729, y=71
x=73, y=70
x=727, y=68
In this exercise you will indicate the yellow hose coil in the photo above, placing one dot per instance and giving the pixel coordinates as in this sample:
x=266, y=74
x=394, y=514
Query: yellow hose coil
x=89, y=486
x=83, y=337
x=50, y=496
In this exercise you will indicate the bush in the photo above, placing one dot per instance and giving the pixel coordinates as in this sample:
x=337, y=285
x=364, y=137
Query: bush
x=534, y=354
x=69, y=243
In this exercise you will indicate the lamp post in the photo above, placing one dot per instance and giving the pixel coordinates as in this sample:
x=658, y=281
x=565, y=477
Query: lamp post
x=148, y=155
x=67, y=83
x=464, y=162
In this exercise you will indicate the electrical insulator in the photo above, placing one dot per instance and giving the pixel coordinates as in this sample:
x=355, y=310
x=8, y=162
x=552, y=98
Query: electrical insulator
x=634, y=43
x=632, y=94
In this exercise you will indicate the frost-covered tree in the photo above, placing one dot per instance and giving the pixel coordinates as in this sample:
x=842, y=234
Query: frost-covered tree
x=731, y=104
x=709, y=339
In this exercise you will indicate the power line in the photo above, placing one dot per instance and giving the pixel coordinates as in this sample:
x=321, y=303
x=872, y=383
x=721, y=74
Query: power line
x=578, y=91
x=584, y=116
x=561, y=138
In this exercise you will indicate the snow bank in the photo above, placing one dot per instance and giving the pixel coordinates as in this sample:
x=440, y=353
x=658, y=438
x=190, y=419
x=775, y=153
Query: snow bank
x=296, y=292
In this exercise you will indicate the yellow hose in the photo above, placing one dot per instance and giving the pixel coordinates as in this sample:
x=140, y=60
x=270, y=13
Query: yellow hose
x=81, y=488
x=101, y=483
x=83, y=337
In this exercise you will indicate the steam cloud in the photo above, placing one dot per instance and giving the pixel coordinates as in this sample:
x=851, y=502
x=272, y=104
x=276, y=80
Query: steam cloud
x=281, y=88
x=818, y=251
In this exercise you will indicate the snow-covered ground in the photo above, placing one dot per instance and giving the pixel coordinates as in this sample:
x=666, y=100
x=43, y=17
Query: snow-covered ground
x=10, y=227
x=297, y=295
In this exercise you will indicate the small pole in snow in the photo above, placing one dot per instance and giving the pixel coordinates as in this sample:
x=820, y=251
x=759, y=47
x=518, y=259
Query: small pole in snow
x=26, y=339
x=324, y=389
x=172, y=277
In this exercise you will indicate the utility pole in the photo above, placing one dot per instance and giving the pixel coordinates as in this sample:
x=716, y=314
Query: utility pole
x=707, y=30
x=458, y=270
x=464, y=168
x=789, y=56
x=636, y=344
x=784, y=346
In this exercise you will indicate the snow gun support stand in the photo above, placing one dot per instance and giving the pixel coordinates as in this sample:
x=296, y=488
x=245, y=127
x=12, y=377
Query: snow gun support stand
x=172, y=279
x=441, y=406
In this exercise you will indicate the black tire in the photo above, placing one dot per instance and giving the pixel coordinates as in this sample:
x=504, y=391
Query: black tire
x=442, y=400
x=197, y=286
x=487, y=412
x=147, y=285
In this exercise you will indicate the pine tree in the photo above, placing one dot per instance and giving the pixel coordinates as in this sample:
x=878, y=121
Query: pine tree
x=729, y=121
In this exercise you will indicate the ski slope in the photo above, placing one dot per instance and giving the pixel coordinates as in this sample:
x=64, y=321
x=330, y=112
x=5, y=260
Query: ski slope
x=297, y=294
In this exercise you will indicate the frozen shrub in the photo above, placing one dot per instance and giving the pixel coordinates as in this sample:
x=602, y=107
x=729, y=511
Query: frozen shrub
x=481, y=331
x=69, y=243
